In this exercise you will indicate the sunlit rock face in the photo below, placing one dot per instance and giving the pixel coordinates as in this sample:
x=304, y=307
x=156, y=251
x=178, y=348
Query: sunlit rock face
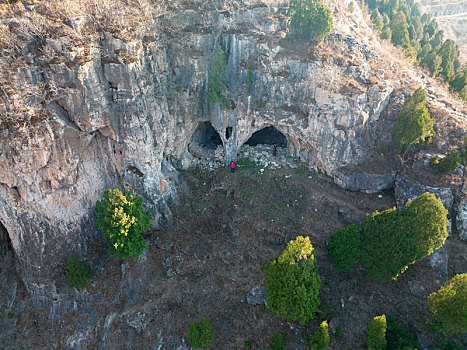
x=122, y=112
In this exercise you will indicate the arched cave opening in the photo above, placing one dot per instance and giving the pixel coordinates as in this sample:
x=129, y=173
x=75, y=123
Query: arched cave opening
x=206, y=136
x=267, y=136
x=206, y=143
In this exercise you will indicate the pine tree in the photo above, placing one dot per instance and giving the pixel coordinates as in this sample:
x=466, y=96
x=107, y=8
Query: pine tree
x=413, y=124
x=447, y=53
x=377, y=20
x=310, y=19
x=400, y=33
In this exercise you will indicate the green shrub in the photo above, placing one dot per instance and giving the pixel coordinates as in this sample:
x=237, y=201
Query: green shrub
x=399, y=337
x=345, y=246
x=122, y=219
x=78, y=273
x=394, y=239
x=279, y=342
x=310, y=19
x=321, y=338
x=376, y=333
x=448, y=306
x=10, y=315
x=201, y=334
x=450, y=162
x=293, y=283
x=413, y=124
x=247, y=344
x=216, y=86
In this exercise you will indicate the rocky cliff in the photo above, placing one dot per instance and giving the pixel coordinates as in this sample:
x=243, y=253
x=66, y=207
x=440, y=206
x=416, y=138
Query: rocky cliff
x=86, y=109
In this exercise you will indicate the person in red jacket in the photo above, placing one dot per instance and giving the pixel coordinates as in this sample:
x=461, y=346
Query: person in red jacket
x=232, y=166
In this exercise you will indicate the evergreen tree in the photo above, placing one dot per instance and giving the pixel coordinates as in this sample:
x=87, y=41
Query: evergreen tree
x=418, y=26
x=431, y=28
x=122, y=220
x=377, y=20
x=437, y=40
x=413, y=124
x=293, y=282
x=393, y=7
x=400, y=33
x=415, y=11
x=310, y=19
x=426, y=18
x=460, y=81
x=447, y=53
x=386, y=32
x=372, y=4
x=448, y=306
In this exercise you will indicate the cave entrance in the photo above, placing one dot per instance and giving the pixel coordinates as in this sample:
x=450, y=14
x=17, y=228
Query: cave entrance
x=206, y=143
x=206, y=136
x=267, y=136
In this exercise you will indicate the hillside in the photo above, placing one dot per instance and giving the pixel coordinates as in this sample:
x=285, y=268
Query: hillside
x=452, y=17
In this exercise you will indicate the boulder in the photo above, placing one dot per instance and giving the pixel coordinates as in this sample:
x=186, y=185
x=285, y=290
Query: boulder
x=256, y=296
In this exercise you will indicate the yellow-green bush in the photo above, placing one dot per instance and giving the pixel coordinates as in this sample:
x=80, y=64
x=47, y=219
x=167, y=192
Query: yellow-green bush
x=293, y=283
x=321, y=338
x=448, y=306
x=376, y=333
x=121, y=219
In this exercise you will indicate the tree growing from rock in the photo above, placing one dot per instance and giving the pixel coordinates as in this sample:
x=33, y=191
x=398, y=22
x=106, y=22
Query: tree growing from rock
x=413, y=124
x=216, y=85
x=310, y=19
x=448, y=306
x=122, y=220
x=293, y=283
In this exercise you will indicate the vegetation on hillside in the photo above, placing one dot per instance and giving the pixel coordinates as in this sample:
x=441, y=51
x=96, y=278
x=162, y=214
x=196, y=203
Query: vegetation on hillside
x=393, y=239
x=201, y=334
x=413, y=124
x=321, y=338
x=293, y=283
x=448, y=306
x=310, y=19
x=78, y=273
x=421, y=39
x=376, y=333
x=216, y=85
x=121, y=219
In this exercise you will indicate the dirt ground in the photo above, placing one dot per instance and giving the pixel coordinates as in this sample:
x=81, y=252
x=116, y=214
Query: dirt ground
x=225, y=229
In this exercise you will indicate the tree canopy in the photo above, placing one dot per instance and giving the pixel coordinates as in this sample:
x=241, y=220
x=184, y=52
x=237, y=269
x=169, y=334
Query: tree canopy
x=293, y=283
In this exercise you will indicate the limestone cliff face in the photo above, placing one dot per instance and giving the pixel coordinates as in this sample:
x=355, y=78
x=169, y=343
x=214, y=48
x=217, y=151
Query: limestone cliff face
x=122, y=111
